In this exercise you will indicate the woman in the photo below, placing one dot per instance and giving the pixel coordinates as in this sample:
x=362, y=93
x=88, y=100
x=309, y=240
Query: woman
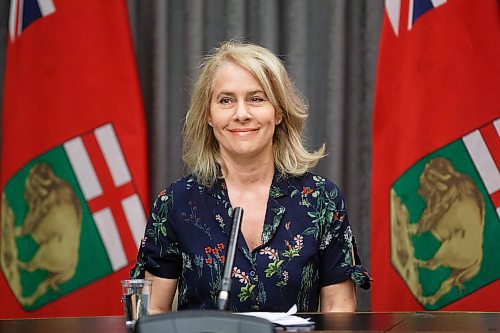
x=243, y=146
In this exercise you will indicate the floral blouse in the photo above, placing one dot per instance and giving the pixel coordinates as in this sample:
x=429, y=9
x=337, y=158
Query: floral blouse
x=307, y=244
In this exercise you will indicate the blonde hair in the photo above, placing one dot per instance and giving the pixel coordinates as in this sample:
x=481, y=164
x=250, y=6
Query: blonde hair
x=201, y=150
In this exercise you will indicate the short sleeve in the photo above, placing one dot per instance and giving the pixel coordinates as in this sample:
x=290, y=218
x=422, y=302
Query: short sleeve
x=159, y=252
x=338, y=257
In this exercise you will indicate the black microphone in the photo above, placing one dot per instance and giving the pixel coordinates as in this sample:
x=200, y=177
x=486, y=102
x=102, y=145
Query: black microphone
x=231, y=248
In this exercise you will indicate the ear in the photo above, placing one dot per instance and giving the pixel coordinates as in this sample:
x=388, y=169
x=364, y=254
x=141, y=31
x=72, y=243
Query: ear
x=279, y=119
x=209, y=120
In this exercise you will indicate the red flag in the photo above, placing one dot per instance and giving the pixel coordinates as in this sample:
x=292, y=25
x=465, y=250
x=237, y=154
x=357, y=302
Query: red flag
x=74, y=166
x=435, y=181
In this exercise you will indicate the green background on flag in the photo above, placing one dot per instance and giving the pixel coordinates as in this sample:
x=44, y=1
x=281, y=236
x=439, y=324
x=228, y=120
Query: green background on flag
x=93, y=262
x=426, y=245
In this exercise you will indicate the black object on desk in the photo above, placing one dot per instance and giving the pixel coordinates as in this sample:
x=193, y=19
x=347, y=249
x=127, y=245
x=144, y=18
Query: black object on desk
x=206, y=321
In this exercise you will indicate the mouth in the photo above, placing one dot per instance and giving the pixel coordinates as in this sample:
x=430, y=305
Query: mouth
x=243, y=131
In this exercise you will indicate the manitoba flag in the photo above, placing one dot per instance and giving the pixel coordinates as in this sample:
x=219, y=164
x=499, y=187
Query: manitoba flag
x=73, y=165
x=436, y=157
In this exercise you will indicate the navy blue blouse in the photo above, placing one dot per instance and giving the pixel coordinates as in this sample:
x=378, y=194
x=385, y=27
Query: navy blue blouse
x=307, y=244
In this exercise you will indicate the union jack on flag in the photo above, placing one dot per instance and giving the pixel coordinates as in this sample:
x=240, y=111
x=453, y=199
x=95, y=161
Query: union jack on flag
x=25, y=12
x=416, y=9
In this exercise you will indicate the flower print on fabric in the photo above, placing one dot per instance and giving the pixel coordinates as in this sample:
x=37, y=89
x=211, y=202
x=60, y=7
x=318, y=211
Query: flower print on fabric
x=307, y=243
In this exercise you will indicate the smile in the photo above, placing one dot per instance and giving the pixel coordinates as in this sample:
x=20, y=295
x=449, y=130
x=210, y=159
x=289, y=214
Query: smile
x=243, y=131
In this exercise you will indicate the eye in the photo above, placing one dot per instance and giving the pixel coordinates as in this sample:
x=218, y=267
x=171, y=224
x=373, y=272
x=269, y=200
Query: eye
x=256, y=100
x=225, y=100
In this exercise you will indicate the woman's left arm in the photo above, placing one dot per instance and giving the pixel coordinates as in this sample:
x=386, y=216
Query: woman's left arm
x=339, y=297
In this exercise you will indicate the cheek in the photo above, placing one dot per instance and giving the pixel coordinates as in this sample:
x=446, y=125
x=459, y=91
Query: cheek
x=215, y=116
x=220, y=120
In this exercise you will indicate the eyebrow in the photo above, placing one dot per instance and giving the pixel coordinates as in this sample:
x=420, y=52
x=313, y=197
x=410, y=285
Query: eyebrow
x=225, y=93
x=253, y=92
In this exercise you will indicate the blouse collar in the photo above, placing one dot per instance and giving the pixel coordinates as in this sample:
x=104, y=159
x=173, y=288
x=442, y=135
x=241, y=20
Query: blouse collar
x=222, y=212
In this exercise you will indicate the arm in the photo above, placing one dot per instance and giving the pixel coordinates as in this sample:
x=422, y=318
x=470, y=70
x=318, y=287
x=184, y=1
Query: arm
x=339, y=297
x=162, y=293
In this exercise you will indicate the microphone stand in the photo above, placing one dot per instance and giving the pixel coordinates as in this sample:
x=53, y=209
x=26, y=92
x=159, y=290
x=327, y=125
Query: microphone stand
x=226, y=278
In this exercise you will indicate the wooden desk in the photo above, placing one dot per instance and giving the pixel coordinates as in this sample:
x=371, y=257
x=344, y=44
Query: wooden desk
x=407, y=322
x=329, y=322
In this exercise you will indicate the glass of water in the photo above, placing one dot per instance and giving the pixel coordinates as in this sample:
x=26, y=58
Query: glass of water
x=135, y=297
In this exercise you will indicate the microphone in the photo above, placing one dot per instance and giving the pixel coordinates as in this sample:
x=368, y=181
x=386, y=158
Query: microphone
x=226, y=278
x=209, y=320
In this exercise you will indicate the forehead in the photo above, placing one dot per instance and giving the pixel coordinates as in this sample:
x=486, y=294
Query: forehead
x=233, y=77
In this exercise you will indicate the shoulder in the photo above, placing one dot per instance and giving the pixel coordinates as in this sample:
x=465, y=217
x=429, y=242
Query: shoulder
x=315, y=181
x=320, y=188
x=186, y=184
x=182, y=187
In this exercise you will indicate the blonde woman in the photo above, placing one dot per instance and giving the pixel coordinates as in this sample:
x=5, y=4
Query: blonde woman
x=243, y=147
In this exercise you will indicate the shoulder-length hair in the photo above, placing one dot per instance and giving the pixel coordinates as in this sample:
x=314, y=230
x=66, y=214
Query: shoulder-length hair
x=201, y=152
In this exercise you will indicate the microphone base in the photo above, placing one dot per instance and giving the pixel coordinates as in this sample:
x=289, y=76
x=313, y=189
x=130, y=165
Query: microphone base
x=206, y=321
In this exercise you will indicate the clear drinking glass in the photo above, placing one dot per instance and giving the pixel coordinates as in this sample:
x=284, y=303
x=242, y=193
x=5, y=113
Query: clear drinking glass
x=136, y=295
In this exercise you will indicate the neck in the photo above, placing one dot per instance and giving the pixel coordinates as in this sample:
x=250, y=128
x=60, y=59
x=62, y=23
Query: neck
x=248, y=172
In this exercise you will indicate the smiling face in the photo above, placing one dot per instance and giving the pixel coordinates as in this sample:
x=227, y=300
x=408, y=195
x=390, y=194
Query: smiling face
x=242, y=118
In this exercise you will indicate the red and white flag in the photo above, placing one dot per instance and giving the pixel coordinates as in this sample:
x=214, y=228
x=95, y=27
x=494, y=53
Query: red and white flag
x=74, y=170
x=436, y=157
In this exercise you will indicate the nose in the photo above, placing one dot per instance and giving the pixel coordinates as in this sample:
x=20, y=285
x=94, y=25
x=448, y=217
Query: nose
x=241, y=112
